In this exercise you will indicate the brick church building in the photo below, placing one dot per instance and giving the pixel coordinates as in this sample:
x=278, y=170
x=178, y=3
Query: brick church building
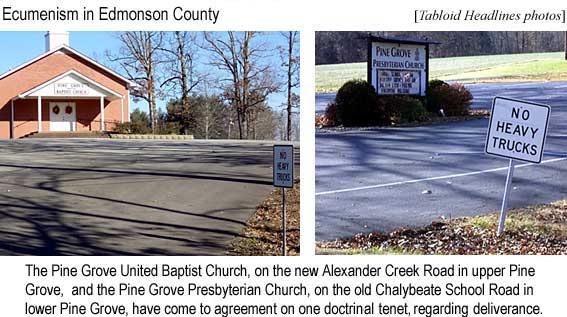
x=61, y=90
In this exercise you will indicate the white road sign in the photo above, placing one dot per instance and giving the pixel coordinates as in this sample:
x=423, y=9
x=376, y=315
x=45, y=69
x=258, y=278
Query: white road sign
x=517, y=129
x=283, y=166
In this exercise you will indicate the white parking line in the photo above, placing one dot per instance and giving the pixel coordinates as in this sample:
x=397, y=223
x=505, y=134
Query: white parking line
x=413, y=181
x=458, y=152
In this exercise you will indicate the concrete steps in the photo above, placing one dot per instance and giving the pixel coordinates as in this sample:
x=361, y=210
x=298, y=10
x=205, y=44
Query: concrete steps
x=51, y=135
x=152, y=136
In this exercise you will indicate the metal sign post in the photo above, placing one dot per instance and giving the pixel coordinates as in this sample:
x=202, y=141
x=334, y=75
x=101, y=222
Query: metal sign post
x=283, y=177
x=284, y=251
x=517, y=131
x=502, y=221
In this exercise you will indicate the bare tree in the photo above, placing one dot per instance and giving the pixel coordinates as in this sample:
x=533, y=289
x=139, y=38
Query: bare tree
x=138, y=58
x=180, y=57
x=229, y=119
x=210, y=114
x=263, y=123
x=250, y=80
x=291, y=63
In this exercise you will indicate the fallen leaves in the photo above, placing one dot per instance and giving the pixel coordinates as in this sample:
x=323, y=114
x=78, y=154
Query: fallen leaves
x=322, y=121
x=263, y=232
x=540, y=229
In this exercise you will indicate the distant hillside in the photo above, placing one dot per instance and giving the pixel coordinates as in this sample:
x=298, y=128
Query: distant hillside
x=350, y=47
x=485, y=68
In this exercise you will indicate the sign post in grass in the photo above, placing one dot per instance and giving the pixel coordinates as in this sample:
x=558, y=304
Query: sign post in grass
x=516, y=131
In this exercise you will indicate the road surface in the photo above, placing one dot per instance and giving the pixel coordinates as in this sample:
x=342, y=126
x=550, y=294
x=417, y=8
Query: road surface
x=128, y=197
x=384, y=179
x=321, y=102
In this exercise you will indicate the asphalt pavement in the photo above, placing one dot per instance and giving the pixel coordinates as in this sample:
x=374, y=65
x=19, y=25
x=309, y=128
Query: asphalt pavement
x=322, y=100
x=128, y=197
x=386, y=178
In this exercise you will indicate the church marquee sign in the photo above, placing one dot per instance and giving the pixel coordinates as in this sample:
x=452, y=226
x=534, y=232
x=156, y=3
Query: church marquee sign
x=397, y=66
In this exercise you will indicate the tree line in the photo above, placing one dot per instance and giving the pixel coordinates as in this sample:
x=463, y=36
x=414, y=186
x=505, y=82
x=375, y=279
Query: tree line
x=217, y=83
x=349, y=47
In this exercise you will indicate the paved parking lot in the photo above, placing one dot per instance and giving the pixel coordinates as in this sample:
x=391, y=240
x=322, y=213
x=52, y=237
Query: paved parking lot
x=386, y=178
x=128, y=197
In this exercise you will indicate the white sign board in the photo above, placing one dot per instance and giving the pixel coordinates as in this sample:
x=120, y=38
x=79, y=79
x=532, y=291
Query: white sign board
x=398, y=69
x=398, y=82
x=283, y=166
x=71, y=89
x=70, y=86
x=517, y=129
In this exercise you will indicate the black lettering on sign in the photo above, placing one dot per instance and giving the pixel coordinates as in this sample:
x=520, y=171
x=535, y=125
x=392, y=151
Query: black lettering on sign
x=516, y=113
x=283, y=155
x=514, y=146
x=380, y=51
x=519, y=130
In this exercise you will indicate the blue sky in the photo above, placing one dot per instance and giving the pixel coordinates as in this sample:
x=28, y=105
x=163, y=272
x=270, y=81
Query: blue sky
x=28, y=45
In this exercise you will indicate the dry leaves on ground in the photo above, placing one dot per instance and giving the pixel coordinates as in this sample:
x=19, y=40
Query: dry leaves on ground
x=540, y=229
x=263, y=232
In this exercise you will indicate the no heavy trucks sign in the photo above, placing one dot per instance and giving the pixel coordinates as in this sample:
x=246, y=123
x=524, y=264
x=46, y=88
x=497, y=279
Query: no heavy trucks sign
x=283, y=166
x=283, y=177
x=517, y=129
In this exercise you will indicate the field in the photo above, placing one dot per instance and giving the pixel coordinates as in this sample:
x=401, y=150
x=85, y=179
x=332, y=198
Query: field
x=488, y=68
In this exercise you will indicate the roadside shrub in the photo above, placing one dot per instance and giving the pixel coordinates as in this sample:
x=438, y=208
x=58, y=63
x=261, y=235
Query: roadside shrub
x=435, y=95
x=454, y=99
x=404, y=109
x=131, y=128
x=412, y=110
x=458, y=100
x=357, y=105
x=434, y=83
x=331, y=114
